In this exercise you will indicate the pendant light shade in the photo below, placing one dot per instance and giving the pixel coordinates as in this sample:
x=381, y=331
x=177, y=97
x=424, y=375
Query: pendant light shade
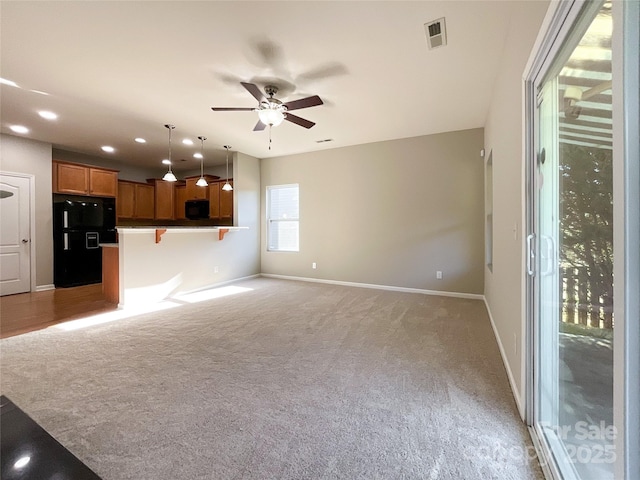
x=169, y=176
x=202, y=182
x=227, y=186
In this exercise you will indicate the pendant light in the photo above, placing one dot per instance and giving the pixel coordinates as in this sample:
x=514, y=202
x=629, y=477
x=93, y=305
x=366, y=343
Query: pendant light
x=169, y=176
x=201, y=181
x=227, y=186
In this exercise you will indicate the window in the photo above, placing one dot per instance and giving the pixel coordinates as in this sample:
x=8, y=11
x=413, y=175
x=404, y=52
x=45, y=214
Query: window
x=283, y=218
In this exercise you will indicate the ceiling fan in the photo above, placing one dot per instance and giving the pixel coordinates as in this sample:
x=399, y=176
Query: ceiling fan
x=271, y=111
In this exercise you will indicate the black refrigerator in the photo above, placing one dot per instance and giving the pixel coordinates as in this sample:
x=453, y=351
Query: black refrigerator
x=80, y=225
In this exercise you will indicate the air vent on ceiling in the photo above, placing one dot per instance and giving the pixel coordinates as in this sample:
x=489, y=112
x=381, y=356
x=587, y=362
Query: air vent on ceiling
x=436, y=33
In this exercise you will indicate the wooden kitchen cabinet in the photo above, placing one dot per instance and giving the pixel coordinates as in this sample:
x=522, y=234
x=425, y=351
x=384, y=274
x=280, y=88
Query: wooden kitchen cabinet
x=226, y=205
x=79, y=179
x=135, y=200
x=103, y=183
x=145, y=201
x=164, y=193
x=195, y=192
x=221, y=203
x=214, y=199
x=125, y=203
x=180, y=194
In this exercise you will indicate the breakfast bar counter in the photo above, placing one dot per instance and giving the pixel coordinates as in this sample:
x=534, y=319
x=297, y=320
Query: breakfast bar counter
x=158, y=262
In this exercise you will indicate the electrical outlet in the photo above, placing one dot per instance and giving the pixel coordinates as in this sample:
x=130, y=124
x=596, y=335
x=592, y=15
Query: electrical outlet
x=439, y=275
x=314, y=265
x=216, y=269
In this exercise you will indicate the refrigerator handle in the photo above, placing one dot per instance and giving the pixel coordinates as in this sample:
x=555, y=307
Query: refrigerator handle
x=66, y=240
x=65, y=219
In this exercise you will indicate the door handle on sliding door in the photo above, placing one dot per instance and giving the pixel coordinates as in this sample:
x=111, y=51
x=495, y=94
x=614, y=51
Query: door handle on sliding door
x=530, y=254
x=547, y=255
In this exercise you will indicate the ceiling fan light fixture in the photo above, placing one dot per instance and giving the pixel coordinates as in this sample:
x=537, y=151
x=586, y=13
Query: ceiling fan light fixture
x=271, y=116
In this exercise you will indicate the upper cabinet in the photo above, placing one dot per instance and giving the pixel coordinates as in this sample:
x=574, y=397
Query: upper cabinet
x=221, y=203
x=164, y=199
x=135, y=200
x=180, y=192
x=84, y=180
x=194, y=192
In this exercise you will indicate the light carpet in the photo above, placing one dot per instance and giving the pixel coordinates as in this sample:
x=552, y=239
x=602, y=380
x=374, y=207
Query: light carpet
x=285, y=380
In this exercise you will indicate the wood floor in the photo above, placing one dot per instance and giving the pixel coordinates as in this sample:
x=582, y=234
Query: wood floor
x=26, y=312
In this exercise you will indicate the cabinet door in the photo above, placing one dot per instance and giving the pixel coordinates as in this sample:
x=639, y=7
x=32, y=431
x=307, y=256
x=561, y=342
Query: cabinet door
x=164, y=200
x=195, y=192
x=71, y=179
x=181, y=198
x=214, y=200
x=126, y=200
x=103, y=183
x=145, y=201
x=226, y=205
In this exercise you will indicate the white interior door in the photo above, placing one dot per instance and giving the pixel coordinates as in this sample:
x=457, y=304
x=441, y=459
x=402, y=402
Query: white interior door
x=15, y=235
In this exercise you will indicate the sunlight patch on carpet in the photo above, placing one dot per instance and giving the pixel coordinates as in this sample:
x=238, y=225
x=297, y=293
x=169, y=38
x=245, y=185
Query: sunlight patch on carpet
x=212, y=293
x=114, y=316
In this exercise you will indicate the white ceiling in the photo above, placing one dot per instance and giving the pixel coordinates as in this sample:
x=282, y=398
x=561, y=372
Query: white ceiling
x=114, y=71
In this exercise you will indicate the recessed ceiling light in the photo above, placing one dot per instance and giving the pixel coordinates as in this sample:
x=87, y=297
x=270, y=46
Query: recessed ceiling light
x=140, y=140
x=187, y=141
x=22, y=462
x=108, y=149
x=19, y=129
x=197, y=155
x=47, y=114
x=4, y=81
x=166, y=162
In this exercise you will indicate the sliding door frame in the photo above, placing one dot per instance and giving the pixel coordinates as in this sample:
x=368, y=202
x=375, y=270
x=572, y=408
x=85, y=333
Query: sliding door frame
x=626, y=114
x=555, y=30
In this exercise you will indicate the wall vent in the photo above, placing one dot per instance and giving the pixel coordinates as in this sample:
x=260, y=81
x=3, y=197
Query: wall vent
x=436, y=33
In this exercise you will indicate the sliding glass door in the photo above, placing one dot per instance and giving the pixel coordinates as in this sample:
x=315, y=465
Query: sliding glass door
x=571, y=252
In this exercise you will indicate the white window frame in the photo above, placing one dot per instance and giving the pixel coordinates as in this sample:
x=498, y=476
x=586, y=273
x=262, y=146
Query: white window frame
x=270, y=220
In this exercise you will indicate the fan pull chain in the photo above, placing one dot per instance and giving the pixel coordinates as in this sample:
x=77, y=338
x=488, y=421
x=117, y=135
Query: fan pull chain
x=269, y=137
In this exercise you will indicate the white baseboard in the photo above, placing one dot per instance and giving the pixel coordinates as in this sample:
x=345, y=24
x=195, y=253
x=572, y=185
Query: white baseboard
x=44, y=288
x=512, y=383
x=473, y=296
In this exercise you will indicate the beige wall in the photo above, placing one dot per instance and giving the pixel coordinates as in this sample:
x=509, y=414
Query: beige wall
x=503, y=136
x=20, y=155
x=246, y=194
x=387, y=213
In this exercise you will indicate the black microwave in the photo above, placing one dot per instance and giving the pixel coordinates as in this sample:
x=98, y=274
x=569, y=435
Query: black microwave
x=196, y=209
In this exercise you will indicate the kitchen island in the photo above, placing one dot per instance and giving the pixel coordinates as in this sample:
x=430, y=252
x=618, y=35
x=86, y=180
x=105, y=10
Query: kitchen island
x=155, y=263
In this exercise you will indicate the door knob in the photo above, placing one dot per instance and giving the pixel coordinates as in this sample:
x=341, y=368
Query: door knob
x=24, y=240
